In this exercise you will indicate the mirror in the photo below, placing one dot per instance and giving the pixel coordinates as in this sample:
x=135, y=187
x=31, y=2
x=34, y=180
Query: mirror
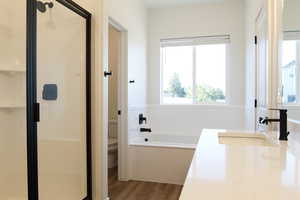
x=290, y=59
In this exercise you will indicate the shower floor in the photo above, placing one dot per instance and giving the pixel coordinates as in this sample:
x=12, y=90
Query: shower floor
x=69, y=188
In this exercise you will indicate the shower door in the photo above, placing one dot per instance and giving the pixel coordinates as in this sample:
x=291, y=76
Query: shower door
x=63, y=100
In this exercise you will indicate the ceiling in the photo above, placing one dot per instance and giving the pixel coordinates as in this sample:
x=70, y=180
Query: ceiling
x=164, y=3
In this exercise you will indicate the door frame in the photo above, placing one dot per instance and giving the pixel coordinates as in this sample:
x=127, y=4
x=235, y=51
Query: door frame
x=122, y=105
x=262, y=15
x=270, y=9
x=32, y=106
x=122, y=101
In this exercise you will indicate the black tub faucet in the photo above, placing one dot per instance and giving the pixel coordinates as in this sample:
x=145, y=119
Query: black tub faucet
x=142, y=119
x=283, y=123
x=143, y=130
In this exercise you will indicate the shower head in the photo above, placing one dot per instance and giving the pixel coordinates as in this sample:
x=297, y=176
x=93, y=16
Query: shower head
x=42, y=7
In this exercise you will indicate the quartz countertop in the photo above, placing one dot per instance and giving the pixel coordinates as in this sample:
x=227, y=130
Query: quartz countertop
x=243, y=172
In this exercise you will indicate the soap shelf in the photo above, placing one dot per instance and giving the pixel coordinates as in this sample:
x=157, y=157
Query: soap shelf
x=12, y=106
x=12, y=70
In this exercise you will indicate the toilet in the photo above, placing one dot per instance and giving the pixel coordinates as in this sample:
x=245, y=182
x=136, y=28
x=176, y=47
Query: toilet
x=112, y=152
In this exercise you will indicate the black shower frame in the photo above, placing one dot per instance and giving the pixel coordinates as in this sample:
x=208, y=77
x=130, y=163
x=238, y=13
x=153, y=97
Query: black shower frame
x=31, y=96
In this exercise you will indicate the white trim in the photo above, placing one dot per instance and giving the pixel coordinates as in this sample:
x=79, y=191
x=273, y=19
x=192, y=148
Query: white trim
x=104, y=139
x=122, y=105
x=272, y=10
x=256, y=72
x=158, y=181
x=291, y=106
x=280, y=36
x=297, y=103
x=228, y=89
x=194, y=41
x=191, y=106
x=273, y=58
x=265, y=15
x=162, y=60
x=197, y=104
x=122, y=101
x=298, y=73
x=291, y=35
x=194, y=71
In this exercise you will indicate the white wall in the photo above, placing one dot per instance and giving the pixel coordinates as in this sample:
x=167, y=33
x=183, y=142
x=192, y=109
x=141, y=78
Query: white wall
x=198, y=20
x=291, y=15
x=251, y=12
x=132, y=15
x=13, y=139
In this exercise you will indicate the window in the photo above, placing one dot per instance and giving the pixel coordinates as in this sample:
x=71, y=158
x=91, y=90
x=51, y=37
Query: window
x=193, y=70
x=290, y=71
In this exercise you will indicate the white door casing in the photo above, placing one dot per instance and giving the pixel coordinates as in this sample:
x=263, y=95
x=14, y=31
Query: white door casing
x=261, y=67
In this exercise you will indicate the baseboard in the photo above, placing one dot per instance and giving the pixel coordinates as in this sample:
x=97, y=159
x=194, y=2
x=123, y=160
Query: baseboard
x=158, y=181
x=123, y=179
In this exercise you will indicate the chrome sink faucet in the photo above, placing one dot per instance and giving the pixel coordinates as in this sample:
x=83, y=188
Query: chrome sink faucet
x=283, y=123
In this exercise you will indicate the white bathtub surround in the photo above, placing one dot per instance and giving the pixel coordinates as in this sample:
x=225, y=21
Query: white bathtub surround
x=133, y=120
x=191, y=119
x=165, y=140
x=163, y=158
x=263, y=170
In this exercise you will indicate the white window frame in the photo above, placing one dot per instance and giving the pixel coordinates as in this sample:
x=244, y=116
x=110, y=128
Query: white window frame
x=194, y=41
x=288, y=36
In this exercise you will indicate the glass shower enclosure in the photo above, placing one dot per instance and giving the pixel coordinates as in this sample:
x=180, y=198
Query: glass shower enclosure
x=45, y=95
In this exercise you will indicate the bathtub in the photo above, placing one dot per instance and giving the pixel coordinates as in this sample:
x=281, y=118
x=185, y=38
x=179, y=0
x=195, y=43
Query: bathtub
x=160, y=140
x=162, y=158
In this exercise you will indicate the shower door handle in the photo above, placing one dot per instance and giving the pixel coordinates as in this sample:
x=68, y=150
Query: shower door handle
x=107, y=73
x=36, y=112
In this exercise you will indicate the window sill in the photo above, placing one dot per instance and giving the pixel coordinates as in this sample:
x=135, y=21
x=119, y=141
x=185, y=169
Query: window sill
x=196, y=106
x=200, y=104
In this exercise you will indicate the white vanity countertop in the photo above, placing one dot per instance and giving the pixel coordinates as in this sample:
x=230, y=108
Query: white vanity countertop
x=238, y=172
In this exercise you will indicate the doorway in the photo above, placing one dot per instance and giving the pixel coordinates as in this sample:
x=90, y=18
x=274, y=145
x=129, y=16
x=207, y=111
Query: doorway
x=117, y=103
x=113, y=96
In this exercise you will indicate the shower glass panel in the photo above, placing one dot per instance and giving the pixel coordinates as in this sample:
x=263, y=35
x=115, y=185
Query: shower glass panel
x=13, y=142
x=61, y=92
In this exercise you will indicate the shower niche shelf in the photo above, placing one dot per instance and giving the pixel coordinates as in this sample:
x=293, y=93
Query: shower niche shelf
x=12, y=70
x=11, y=107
